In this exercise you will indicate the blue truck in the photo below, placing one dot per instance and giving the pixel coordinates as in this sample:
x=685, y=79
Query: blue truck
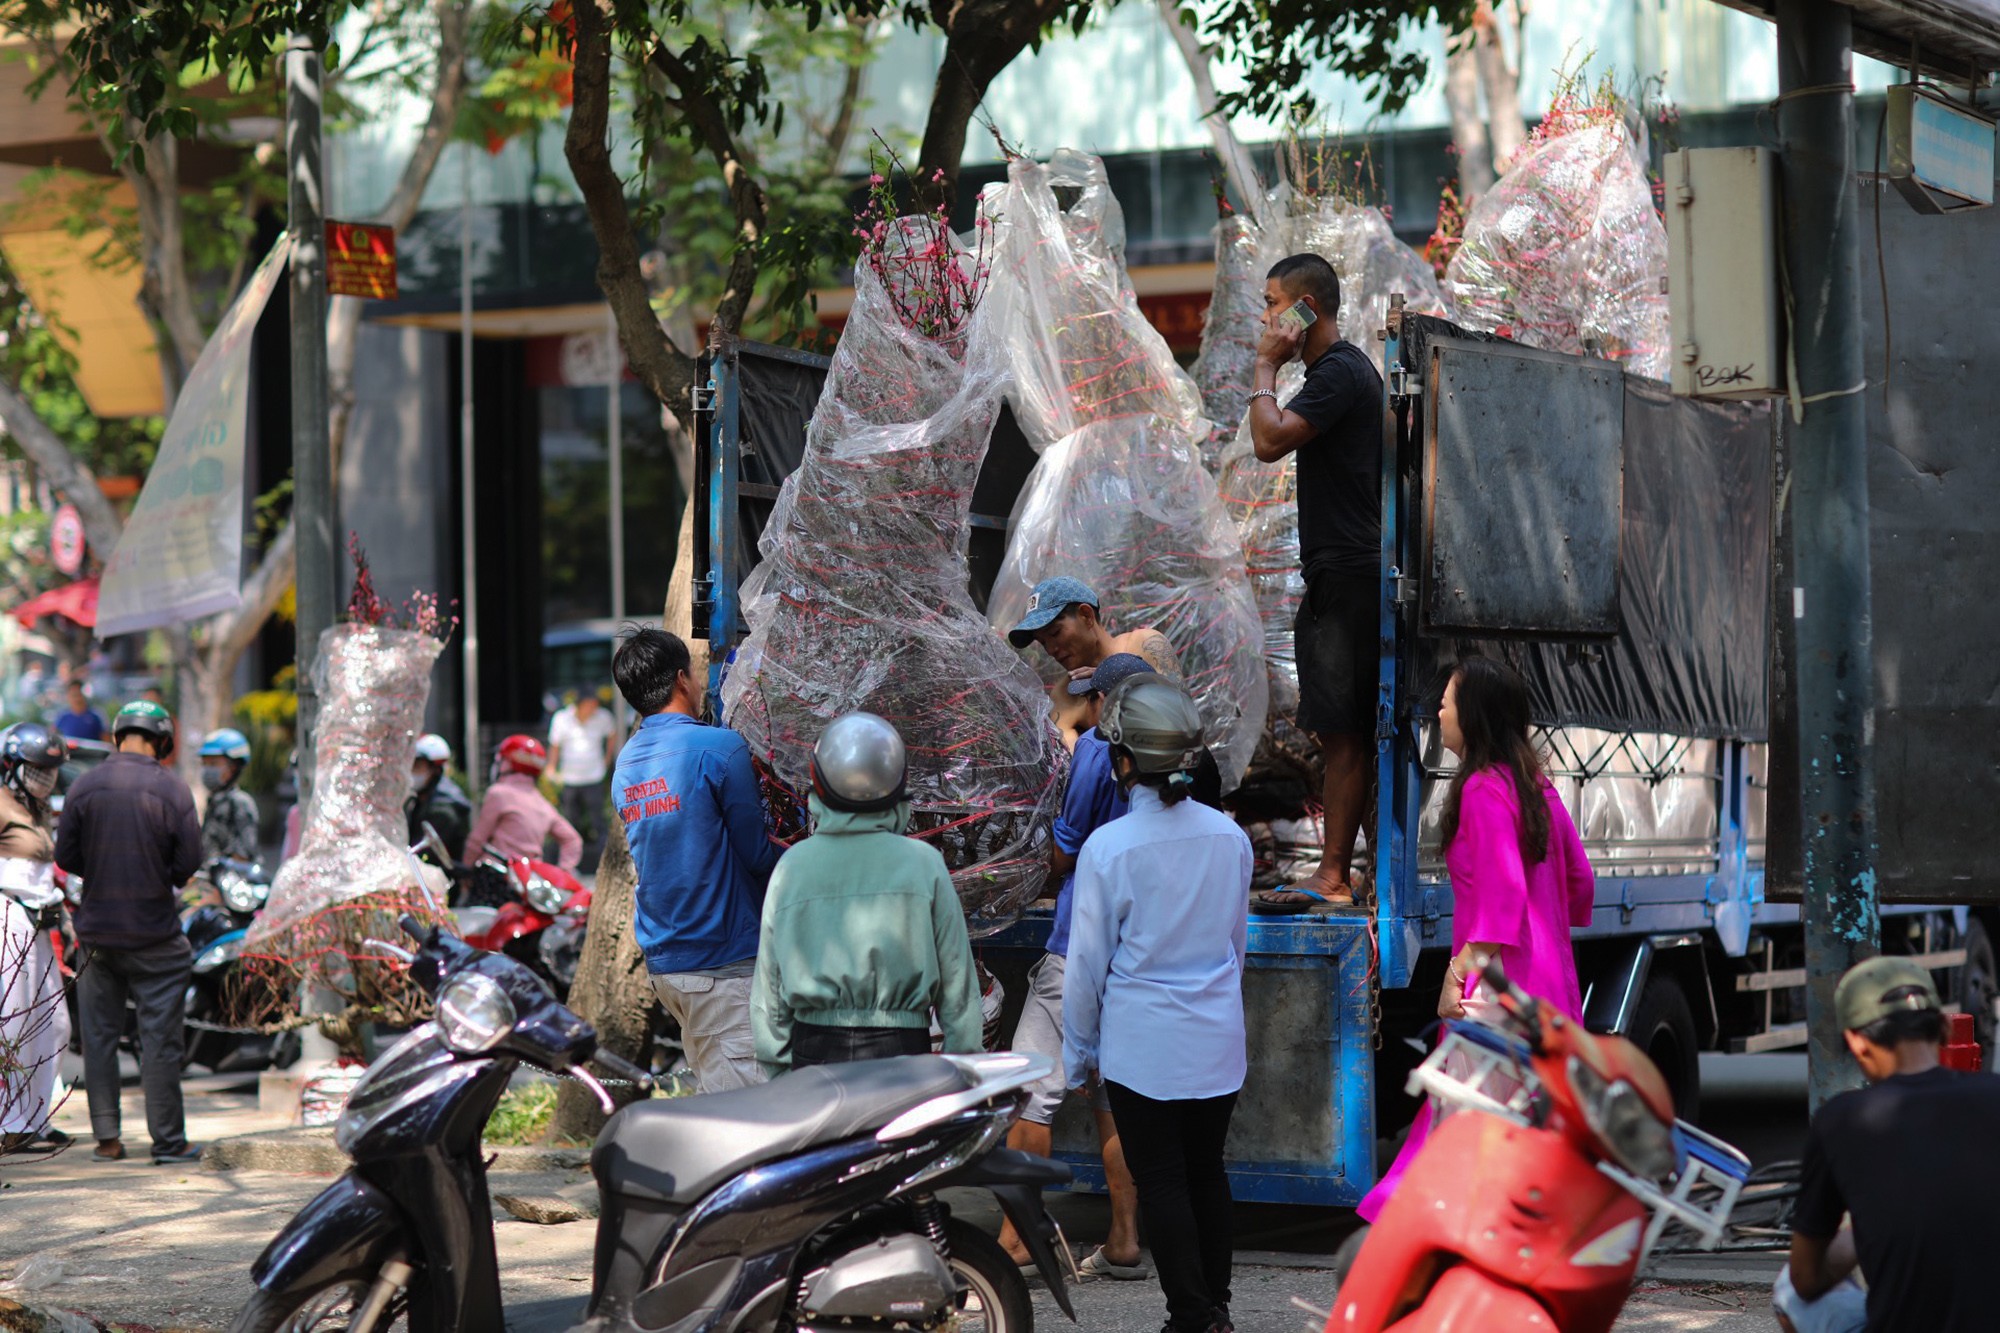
x=1617, y=545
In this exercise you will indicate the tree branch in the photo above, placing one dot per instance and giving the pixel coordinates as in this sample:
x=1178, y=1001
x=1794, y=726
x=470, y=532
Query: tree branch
x=63, y=470
x=666, y=372
x=344, y=313
x=746, y=196
x=1236, y=164
x=982, y=37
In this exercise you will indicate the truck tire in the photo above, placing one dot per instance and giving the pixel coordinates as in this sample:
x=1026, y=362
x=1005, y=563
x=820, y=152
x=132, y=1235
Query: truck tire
x=1979, y=982
x=1663, y=1027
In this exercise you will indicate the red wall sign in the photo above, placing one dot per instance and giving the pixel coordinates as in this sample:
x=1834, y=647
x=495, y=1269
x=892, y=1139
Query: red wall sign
x=360, y=260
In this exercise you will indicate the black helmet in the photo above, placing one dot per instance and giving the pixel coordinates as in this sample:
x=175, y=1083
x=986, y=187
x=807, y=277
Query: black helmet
x=858, y=764
x=31, y=757
x=148, y=719
x=1153, y=721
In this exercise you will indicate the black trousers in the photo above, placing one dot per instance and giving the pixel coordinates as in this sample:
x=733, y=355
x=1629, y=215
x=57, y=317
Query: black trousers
x=820, y=1044
x=1174, y=1150
x=156, y=979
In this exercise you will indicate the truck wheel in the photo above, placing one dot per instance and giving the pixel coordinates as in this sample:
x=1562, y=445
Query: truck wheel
x=1979, y=982
x=1663, y=1027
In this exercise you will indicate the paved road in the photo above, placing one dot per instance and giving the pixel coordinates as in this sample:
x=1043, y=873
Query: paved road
x=171, y=1248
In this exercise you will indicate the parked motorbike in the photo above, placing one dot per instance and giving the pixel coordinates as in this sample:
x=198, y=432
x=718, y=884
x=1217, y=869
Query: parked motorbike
x=228, y=896
x=537, y=897
x=1551, y=1173
x=806, y=1203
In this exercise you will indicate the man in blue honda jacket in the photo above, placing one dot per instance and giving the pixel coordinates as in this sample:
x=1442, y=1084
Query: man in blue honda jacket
x=693, y=816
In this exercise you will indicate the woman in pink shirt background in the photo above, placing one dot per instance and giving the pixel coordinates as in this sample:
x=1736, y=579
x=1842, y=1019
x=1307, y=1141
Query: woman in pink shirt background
x=1519, y=876
x=515, y=818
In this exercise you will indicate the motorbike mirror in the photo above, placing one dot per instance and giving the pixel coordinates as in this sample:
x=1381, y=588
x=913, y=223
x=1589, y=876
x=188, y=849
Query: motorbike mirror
x=433, y=843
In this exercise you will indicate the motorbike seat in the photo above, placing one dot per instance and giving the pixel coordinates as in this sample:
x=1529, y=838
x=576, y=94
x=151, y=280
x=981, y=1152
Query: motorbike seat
x=679, y=1149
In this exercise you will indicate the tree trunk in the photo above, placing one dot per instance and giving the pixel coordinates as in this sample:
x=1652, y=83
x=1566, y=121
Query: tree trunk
x=611, y=989
x=1501, y=81
x=982, y=37
x=1236, y=164
x=1468, y=127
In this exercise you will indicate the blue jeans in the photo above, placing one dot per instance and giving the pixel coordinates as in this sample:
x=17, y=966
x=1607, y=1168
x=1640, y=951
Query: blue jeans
x=1841, y=1310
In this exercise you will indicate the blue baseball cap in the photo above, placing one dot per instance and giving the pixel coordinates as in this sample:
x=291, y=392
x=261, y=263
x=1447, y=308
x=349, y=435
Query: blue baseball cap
x=1050, y=599
x=1117, y=667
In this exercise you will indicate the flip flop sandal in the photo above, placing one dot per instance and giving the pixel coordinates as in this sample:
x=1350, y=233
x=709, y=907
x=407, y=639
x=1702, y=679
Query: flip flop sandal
x=1100, y=1265
x=1266, y=902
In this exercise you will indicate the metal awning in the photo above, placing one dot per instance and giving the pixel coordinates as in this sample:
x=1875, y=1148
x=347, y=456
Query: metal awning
x=1952, y=38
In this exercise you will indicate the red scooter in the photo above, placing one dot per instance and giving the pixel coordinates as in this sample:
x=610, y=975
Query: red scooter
x=541, y=895
x=1554, y=1167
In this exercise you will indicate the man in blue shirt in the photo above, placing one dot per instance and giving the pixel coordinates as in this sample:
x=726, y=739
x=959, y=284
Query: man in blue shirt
x=1092, y=799
x=694, y=818
x=79, y=721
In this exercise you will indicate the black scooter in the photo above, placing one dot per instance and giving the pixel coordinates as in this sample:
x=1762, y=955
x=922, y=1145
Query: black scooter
x=807, y=1203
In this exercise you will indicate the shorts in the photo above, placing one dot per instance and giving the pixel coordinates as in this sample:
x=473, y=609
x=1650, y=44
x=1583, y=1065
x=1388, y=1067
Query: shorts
x=1040, y=1031
x=1841, y=1310
x=1336, y=637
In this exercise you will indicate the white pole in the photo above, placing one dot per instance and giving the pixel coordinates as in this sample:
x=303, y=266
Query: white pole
x=615, y=435
x=467, y=510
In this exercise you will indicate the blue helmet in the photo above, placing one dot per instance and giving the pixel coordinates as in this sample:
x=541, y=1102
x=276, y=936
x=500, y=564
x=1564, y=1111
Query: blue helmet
x=228, y=743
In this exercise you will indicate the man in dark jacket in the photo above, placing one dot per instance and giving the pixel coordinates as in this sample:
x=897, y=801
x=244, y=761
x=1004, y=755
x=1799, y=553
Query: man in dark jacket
x=129, y=830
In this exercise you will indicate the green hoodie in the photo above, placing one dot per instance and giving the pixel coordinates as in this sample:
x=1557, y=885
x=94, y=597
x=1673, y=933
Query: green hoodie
x=862, y=928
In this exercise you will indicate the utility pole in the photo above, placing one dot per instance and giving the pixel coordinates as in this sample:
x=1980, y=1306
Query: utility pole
x=468, y=508
x=1829, y=497
x=313, y=494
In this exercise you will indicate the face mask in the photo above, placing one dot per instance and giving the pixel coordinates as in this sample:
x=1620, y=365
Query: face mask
x=417, y=779
x=39, y=781
x=215, y=779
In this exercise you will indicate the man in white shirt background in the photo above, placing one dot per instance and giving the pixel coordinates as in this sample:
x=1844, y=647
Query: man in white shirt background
x=583, y=740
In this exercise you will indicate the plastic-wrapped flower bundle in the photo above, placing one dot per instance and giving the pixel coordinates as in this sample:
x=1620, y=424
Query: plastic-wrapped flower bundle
x=1119, y=497
x=352, y=878
x=862, y=602
x=1263, y=497
x=1566, y=249
x=1229, y=332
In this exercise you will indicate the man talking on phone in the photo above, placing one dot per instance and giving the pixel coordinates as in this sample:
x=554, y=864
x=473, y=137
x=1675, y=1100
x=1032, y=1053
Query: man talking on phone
x=1334, y=425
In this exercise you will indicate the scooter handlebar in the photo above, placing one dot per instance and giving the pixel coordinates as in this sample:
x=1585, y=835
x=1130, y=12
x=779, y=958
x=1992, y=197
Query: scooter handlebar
x=622, y=1069
x=413, y=928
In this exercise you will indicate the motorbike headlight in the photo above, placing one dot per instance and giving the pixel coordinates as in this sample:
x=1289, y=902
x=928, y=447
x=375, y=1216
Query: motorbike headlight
x=473, y=1013
x=225, y=950
x=240, y=893
x=1619, y=1116
x=544, y=897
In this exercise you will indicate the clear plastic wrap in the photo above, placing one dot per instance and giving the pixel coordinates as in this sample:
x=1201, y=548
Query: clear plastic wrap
x=1567, y=250
x=862, y=602
x=1229, y=332
x=352, y=877
x=1119, y=497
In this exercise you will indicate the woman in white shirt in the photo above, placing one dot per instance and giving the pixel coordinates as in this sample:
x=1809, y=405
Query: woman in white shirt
x=1153, y=991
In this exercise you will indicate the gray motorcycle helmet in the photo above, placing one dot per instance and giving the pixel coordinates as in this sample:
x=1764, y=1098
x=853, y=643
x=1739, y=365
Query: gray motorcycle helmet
x=858, y=764
x=1154, y=721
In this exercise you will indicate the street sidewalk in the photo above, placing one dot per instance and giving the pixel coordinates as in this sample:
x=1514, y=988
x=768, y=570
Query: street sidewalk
x=156, y=1248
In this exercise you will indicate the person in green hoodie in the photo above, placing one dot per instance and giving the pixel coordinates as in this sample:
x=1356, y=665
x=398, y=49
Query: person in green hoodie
x=862, y=935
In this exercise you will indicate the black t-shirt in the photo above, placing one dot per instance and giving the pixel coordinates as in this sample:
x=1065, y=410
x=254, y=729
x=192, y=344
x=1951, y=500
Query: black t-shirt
x=1340, y=468
x=1913, y=1159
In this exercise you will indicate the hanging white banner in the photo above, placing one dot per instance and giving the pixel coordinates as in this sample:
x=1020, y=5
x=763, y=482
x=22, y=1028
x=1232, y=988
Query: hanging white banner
x=181, y=554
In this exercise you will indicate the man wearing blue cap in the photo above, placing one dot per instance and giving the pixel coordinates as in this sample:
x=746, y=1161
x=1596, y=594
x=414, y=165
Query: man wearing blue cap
x=1092, y=799
x=1062, y=616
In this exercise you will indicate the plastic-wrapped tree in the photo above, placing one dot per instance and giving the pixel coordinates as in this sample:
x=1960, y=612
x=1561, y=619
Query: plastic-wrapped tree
x=1263, y=497
x=352, y=878
x=1566, y=252
x=861, y=600
x=1118, y=497
x=1229, y=330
